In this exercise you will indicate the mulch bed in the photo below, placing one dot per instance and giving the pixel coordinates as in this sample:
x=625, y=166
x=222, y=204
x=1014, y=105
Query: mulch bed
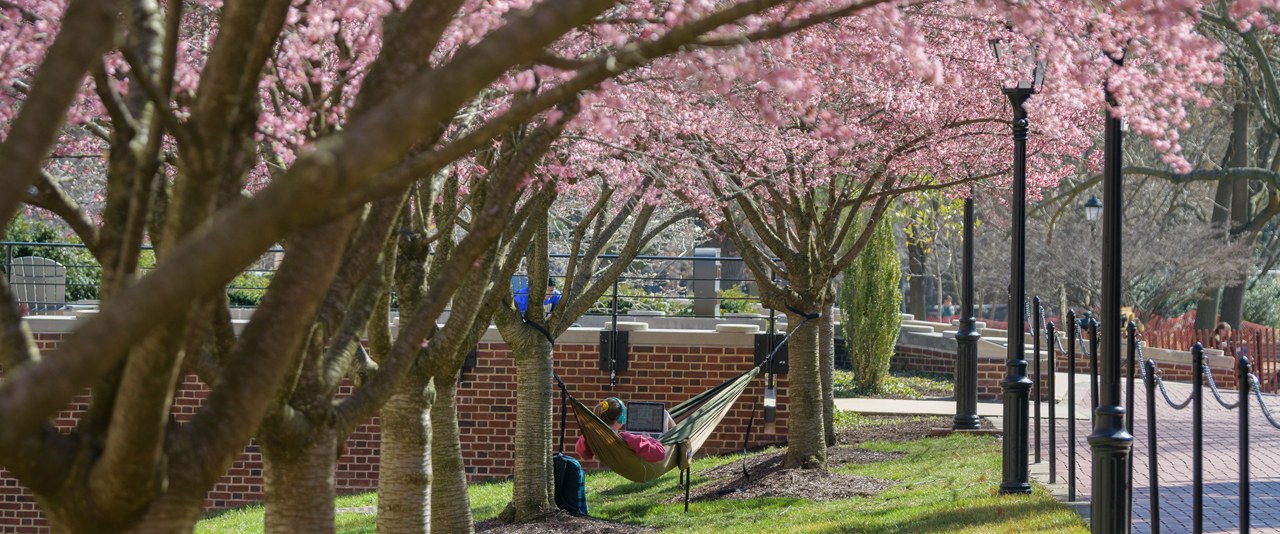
x=562, y=523
x=769, y=479
x=896, y=428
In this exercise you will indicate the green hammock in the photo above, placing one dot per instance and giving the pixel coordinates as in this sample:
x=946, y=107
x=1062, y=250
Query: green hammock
x=704, y=411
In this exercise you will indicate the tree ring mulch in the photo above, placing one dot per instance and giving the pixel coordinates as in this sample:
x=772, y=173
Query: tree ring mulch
x=561, y=523
x=836, y=457
x=769, y=479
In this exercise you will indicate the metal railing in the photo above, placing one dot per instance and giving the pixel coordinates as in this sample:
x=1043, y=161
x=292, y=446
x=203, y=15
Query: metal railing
x=1136, y=366
x=59, y=278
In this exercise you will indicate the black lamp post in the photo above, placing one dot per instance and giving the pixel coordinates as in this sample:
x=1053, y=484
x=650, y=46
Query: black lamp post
x=1016, y=385
x=1110, y=441
x=967, y=337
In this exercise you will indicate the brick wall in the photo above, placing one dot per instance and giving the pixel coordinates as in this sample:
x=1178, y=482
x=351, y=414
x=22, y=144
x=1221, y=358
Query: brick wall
x=931, y=360
x=486, y=401
x=992, y=370
x=1170, y=371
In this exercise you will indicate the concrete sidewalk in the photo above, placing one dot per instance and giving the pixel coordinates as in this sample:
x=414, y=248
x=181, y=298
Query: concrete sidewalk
x=943, y=406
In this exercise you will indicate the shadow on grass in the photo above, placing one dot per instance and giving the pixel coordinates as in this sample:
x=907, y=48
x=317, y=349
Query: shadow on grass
x=211, y=514
x=630, y=488
x=952, y=520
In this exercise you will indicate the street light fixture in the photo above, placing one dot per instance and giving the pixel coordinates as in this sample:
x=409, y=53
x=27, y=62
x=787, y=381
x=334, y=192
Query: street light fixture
x=1016, y=385
x=1093, y=214
x=1093, y=209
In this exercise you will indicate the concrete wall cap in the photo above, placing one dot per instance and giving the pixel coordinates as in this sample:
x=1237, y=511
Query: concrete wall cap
x=737, y=328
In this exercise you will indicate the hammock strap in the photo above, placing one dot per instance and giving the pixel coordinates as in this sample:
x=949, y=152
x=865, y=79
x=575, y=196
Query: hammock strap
x=807, y=317
x=564, y=411
x=747, y=438
x=544, y=331
x=564, y=391
x=688, y=479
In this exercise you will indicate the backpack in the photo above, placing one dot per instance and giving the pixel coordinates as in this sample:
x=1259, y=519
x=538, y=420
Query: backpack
x=570, y=485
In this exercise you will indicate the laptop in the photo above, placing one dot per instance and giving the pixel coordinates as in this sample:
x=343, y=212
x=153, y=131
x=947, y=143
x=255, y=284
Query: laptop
x=646, y=418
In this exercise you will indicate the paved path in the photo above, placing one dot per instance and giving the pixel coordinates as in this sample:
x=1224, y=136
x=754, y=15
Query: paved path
x=1221, y=462
x=1221, y=455
x=945, y=406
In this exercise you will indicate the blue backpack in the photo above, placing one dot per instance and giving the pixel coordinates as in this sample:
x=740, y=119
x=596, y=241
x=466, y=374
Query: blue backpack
x=571, y=485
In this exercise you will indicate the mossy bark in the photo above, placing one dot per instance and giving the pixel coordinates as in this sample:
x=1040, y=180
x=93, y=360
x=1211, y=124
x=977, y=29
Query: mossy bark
x=827, y=355
x=405, y=470
x=806, y=438
x=450, y=505
x=532, y=482
x=299, y=484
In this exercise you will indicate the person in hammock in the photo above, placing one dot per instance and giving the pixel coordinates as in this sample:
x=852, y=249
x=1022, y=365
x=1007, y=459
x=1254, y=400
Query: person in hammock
x=614, y=413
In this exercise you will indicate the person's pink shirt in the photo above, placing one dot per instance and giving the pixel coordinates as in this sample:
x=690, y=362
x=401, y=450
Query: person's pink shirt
x=649, y=449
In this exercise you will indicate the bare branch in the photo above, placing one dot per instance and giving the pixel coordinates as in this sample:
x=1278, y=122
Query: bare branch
x=50, y=196
x=86, y=30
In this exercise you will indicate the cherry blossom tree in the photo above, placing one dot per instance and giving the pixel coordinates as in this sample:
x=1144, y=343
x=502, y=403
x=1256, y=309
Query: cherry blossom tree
x=784, y=156
x=228, y=127
x=617, y=217
x=194, y=108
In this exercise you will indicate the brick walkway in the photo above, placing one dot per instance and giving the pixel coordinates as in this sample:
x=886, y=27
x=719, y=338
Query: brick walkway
x=1221, y=462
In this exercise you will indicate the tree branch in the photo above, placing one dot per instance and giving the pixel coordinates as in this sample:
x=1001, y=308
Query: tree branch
x=50, y=196
x=266, y=351
x=215, y=254
x=490, y=222
x=17, y=346
x=86, y=30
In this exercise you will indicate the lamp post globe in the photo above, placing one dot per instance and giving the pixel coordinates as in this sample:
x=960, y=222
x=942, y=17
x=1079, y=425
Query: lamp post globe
x=1093, y=209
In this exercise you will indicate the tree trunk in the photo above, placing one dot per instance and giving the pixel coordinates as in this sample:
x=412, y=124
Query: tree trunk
x=827, y=355
x=451, y=508
x=916, y=281
x=1233, y=295
x=1207, y=306
x=169, y=513
x=299, y=484
x=532, y=484
x=1225, y=206
x=404, y=468
x=806, y=438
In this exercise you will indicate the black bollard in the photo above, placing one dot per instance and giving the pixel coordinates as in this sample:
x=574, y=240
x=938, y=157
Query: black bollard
x=1243, y=382
x=1071, y=405
x=1153, y=473
x=1197, y=438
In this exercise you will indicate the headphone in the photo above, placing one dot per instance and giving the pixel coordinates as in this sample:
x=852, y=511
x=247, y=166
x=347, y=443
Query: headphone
x=622, y=418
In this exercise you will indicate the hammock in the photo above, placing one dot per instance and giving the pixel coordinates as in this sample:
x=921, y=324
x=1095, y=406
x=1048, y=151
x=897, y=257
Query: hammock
x=704, y=410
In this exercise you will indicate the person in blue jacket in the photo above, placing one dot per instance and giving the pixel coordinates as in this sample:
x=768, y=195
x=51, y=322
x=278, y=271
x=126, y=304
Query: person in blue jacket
x=549, y=303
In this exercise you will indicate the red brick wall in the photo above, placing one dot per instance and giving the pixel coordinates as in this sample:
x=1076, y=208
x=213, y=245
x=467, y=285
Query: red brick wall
x=486, y=403
x=991, y=370
x=928, y=360
x=1170, y=371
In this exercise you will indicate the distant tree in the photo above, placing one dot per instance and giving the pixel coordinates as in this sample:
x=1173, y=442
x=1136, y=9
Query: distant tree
x=871, y=298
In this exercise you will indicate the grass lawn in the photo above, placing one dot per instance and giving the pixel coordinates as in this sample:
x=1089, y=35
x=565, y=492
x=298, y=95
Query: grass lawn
x=899, y=383
x=946, y=485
